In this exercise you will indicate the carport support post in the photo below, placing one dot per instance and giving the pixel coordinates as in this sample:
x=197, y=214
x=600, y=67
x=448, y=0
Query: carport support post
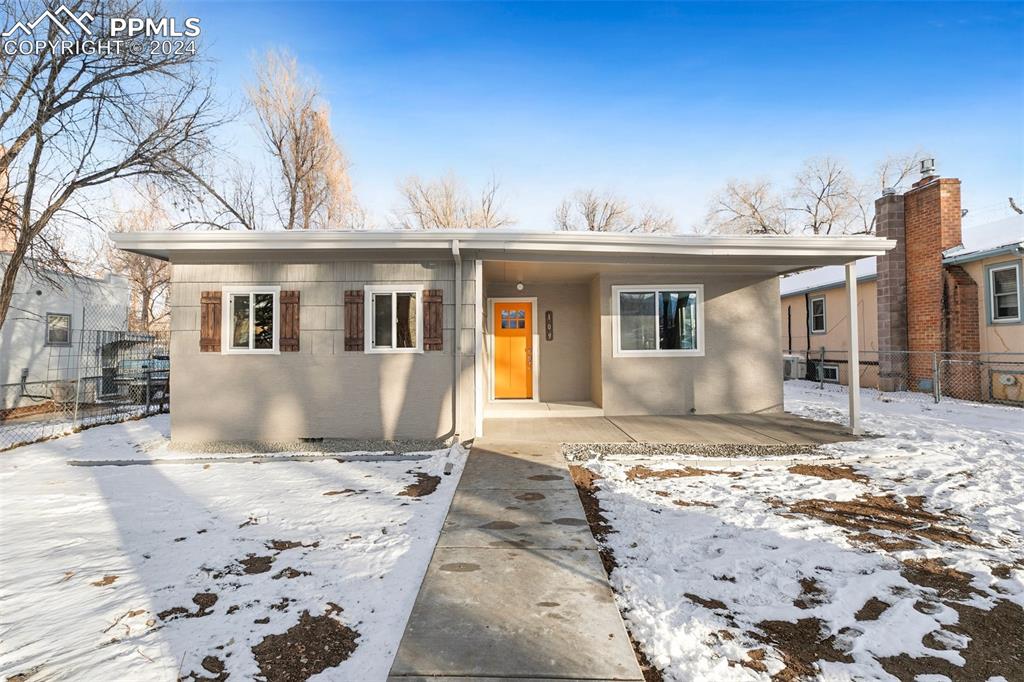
x=854, y=358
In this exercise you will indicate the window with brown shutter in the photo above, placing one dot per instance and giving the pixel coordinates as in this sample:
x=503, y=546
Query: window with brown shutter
x=433, y=319
x=354, y=319
x=209, y=322
x=289, y=339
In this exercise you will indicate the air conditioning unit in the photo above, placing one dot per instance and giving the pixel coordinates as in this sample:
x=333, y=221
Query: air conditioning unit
x=794, y=367
x=1007, y=385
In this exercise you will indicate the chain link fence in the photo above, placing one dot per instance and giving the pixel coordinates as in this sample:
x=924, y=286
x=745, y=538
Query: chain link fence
x=95, y=373
x=980, y=377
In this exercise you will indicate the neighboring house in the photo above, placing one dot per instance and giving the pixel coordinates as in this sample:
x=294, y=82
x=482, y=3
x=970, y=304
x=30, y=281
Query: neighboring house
x=41, y=341
x=277, y=336
x=943, y=288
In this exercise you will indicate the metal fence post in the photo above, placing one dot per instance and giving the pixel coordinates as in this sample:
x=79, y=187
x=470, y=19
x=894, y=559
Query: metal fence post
x=149, y=387
x=78, y=370
x=936, y=391
x=821, y=368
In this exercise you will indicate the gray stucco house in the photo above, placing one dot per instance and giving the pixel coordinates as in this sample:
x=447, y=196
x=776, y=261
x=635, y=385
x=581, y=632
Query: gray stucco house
x=285, y=335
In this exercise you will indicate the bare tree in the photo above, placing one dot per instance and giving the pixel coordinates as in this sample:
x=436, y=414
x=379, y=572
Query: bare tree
x=149, y=278
x=73, y=122
x=313, y=182
x=593, y=211
x=825, y=198
x=747, y=208
x=444, y=204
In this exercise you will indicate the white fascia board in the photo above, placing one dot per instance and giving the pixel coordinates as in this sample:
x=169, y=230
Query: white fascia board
x=166, y=244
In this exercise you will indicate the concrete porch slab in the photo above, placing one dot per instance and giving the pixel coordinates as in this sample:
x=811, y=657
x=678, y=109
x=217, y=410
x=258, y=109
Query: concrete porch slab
x=519, y=410
x=554, y=430
x=512, y=613
x=535, y=519
x=685, y=429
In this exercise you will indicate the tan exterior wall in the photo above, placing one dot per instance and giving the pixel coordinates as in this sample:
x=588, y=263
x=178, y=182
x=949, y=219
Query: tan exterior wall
x=564, y=362
x=323, y=390
x=739, y=372
x=837, y=336
x=995, y=337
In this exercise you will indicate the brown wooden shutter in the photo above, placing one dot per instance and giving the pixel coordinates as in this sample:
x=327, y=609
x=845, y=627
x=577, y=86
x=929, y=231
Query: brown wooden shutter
x=354, y=319
x=209, y=322
x=289, y=338
x=433, y=319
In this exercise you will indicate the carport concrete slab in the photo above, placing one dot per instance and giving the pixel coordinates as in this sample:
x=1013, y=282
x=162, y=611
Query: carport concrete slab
x=687, y=429
x=513, y=613
x=534, y=519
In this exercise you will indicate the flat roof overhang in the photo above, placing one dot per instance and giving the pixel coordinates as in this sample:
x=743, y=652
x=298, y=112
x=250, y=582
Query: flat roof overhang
x=747, y=253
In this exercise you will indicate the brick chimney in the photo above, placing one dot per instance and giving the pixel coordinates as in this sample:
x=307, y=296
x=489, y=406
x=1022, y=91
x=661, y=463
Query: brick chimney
x=892, y=294
x=932, y=224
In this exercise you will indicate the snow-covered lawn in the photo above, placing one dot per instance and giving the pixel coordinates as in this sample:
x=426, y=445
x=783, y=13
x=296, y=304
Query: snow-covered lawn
x=155, y=572
x=886, y=558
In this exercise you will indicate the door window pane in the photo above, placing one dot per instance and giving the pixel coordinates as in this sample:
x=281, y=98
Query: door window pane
x=405, y=320
x=637, y=320
x=678, y=320
x=382, y=321
x=240, y=321
x=263, y=321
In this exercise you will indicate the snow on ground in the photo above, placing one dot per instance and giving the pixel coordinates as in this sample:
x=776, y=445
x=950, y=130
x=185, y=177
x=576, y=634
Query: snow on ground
x=107, y=572
x=739, y=569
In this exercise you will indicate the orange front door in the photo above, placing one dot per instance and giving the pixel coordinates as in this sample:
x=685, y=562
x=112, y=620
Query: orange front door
x=513, y=350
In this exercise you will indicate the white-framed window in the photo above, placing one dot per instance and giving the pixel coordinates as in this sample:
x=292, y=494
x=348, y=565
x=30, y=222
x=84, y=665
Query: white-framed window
x=251, y=319
x=816, y=315
x=58, y=329
x=1004, y=290
x=830, y=374
x=662, y=320
x=394, y=322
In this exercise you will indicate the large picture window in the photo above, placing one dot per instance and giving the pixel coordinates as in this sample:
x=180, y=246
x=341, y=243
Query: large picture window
x=251, y=319
x=659, y=320
x=1004, y=287
x=393, y=319
x=58, y=329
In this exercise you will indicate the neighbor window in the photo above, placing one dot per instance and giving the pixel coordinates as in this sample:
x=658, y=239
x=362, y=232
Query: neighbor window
x=1004, y=292
x=251, y=315
x=658, y=320
x=58, y=329
x=830, y=374
x=393, y=319
x=817, y=315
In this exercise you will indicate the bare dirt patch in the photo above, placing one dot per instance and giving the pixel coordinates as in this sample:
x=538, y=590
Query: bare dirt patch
x=693, y=503
x=290, y=573
x=425, y=484
x=641, y=472
x=811, y=594
x=801, y=645
x=948, y=582
x=996, y=647
x=311, y=646
x=883, y=512
x=104, y=581
x=204, y=601
x=705, y=602
x=253, y=564
x=872, y=610
x=828, y=472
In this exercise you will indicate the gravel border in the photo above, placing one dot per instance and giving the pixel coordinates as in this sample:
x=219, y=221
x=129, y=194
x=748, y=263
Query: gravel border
x=329, y=445
x=578, y=452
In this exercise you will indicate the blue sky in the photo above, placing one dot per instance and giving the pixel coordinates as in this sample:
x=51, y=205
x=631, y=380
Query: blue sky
x=660, y=103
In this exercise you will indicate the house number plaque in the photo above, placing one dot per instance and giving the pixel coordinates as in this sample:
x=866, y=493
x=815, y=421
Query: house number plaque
x=549, y=325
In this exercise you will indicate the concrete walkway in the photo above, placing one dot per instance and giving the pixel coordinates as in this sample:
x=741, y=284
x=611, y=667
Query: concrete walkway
x=515, y=588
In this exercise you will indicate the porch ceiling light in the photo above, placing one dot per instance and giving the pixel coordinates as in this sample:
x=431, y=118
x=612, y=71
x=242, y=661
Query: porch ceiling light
x=519, y=286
